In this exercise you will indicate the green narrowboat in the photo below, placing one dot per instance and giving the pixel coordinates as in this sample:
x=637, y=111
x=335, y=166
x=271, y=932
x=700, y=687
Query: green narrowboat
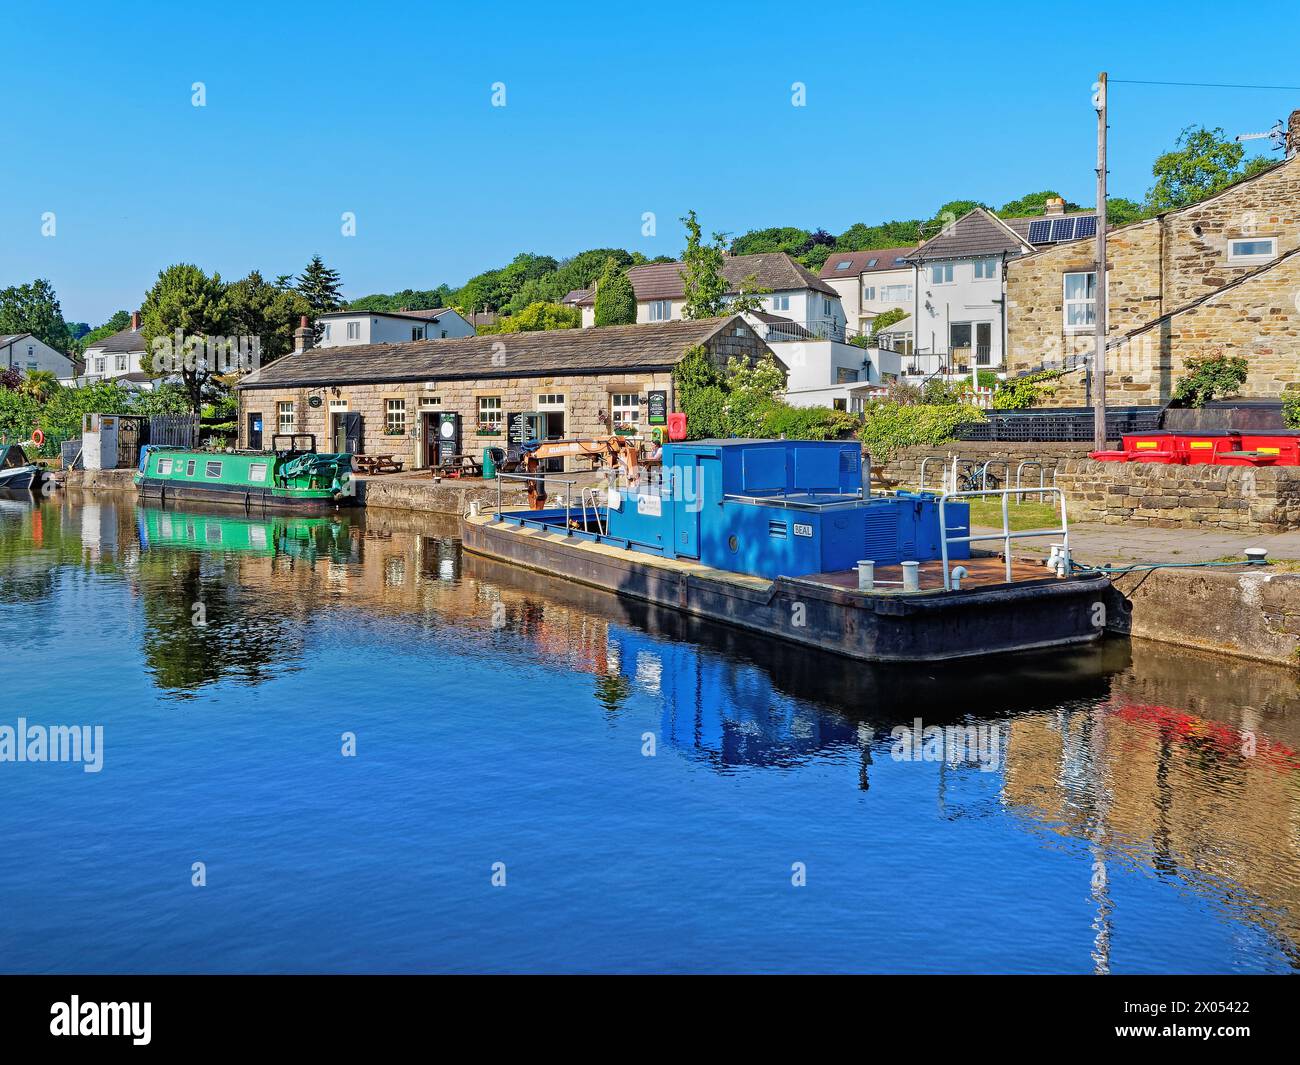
x=305, y=537
x=293, y=475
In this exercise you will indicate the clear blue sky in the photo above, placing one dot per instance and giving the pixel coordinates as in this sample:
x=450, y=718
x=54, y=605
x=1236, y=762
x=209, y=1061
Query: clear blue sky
x=384, y=110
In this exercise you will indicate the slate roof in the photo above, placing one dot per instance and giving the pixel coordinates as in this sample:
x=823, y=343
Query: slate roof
x=9, y=338
x=424, y=316
x=774, y=271
x=974, y=234
x=865, y=262
x=128, y=340
x=559, y=352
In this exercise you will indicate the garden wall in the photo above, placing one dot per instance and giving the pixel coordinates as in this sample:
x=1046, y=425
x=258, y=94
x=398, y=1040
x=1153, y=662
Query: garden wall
x=905, y=466
x=1244, y=498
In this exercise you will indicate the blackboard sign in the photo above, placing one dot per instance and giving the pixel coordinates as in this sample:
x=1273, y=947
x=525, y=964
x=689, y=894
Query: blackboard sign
x=658, y=408
x=516, y=428
x=313, y=401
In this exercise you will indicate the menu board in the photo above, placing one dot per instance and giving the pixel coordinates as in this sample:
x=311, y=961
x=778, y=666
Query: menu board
x=657, y=407
x=516, y=429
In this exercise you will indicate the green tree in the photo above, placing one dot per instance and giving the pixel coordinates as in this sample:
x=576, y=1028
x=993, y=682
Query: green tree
x=885, y=319
x=1120, y=211
x=119, y=321
x=1033, y=203
x=34, y=308
x=1203, y=162
x=615, y=298
x=321, y=287
x=267, y=311
x=536, y=317
x=706, y=288
x=40, y=384
x=184, y=298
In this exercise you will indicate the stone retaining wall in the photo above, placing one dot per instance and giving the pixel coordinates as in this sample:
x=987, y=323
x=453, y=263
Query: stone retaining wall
x=103, y=480
x=424, y=496
x=1266, y=499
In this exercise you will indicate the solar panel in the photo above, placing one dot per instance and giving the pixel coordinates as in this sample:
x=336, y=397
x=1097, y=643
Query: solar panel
x=1040, y=232
x=1085, y=227
x=1062, y=229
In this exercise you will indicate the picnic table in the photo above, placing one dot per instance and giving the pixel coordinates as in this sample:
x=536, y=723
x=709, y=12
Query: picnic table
x=456, y=466
x=376, y=464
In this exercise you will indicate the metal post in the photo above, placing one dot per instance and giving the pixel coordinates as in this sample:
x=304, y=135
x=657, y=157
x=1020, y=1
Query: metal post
x=1006, y=533
x=1099, y=315
x=911, y=576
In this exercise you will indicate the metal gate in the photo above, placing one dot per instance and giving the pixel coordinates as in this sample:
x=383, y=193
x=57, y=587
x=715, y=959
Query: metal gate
x=174, y=430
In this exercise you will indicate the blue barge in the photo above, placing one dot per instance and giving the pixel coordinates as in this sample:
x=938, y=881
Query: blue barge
x=773, y=535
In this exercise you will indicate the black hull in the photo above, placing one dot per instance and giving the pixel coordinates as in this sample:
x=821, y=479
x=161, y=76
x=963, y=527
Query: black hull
x=878, y=628
x=253, y=499
x=28, y=480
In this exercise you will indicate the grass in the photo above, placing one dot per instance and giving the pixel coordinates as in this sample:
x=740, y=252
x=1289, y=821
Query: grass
x=1026, y=515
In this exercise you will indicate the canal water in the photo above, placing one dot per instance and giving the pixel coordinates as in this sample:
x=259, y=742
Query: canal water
x=343, y=744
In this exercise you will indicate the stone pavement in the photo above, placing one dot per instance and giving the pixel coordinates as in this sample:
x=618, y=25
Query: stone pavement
x=1097, y=543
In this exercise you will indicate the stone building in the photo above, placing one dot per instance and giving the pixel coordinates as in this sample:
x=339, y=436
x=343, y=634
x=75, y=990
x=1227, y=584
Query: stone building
x=424, y=401
x=1217, y=276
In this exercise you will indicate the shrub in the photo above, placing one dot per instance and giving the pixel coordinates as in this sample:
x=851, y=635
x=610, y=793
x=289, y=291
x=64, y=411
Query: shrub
x=1291, y=408
x=1210, y=376
x=1019, y=393
x=889, y=427
x=615, y=299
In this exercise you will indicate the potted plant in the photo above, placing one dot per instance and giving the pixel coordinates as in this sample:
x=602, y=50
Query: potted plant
x=626, y=429
x=489, y=429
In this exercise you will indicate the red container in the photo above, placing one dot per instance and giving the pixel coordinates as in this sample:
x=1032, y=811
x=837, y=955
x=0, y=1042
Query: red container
x=1282, y=444
x=1155, y=446
x=1244, y=458
x=1110, y=456
x=676, y=426
x=1201, y=447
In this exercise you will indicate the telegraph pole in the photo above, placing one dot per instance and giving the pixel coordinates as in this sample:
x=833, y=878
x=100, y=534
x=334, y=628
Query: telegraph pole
x=1099, y=314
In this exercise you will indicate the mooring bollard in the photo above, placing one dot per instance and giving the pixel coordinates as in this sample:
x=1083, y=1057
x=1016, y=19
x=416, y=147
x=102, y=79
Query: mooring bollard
x=866, y=575
x=911, y=576
x=473, y=509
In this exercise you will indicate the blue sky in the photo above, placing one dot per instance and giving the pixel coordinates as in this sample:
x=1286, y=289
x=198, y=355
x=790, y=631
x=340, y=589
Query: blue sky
x=385, y=111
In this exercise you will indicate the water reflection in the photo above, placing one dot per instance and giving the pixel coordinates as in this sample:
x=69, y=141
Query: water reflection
x=1141, y=756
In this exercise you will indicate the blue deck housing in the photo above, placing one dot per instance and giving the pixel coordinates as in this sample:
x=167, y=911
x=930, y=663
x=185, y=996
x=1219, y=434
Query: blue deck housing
x=778, y=508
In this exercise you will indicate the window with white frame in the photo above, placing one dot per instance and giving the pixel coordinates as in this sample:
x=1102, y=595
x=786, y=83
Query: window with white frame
x=827, y=311
x=325, y=331
x=896, y=293
x=395, y=417
x=354, y=330
x=1079, y=306
x=985, y=269
x=550, y=401
x=119, y=362
x=941, y=274
x=33, y=366
x=489, y=412
x=661, y=310
x=780, y=303
x=285, y=417
x=417, y=332
x=99, y=366
x=625, y=408
x=868, y=293
x=1252, y=250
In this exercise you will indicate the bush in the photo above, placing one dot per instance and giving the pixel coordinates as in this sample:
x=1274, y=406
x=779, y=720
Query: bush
x=1020, y=393
x=1209, y=377
x=1291, y=408
x=889, y=427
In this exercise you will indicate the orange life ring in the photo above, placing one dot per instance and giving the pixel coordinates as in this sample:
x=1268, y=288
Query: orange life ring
x=38, y=437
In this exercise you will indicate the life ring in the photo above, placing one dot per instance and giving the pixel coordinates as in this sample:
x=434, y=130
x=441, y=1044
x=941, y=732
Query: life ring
x=38, y=437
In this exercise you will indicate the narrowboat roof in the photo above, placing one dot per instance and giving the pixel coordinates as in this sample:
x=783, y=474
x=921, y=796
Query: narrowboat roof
x=11, y=456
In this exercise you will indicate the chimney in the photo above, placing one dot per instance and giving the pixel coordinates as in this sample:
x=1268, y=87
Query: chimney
x=1055, y=205
x=302, y=336
x=135, y=321
x=1293, y=135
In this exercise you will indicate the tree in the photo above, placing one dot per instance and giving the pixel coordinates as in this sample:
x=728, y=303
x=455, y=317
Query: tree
x=749, y=296
x=40, y=384
x=885, y=319
x=1121, y=211
x=706, y=288
x=1034, y=203
x=615, y=298
x=536, y=317
x=187, y=300
x=34, y=308
x=321, y=287
x=1203, y=162
x=267, y=311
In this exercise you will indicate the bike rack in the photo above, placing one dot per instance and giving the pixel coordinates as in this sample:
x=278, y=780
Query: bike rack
x=1042, y=477
x=984, y=472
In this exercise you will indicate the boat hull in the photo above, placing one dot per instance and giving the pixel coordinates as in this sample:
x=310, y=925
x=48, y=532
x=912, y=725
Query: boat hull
x=164, y=491
x=22, y=479
x=881, y=628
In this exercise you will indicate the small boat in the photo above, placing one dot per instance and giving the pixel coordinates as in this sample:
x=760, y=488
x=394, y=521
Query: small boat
x=293, y=475
x=17, y=472
x=783, y=537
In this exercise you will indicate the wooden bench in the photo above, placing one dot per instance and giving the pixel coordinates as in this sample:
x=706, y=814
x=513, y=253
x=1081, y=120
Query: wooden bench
x=371, y=464
x=457, y=466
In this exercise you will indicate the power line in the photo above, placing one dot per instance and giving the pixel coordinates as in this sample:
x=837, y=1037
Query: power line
x=1202, y=84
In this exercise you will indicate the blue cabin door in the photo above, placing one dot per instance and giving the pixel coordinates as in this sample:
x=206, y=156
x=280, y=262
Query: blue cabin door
x=685, y=488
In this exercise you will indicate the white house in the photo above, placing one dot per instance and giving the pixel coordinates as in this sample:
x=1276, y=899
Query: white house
x=119, y=357
x=870, y=283
x=22, y=351
x=958, y=321
x=340, y=328
x=790, y=291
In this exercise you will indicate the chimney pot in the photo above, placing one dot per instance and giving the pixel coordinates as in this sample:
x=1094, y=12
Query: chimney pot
x=302, y=322
x=1054, y=205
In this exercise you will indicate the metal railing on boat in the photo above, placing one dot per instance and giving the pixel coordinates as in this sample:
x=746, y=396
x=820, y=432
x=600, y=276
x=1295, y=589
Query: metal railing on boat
x=543, y=478
x=1006, y=535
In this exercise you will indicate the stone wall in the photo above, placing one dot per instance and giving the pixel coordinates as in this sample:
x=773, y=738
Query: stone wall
x=1218, y=497
x=446, y=497
x=1157, y=267
x=905, y=466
